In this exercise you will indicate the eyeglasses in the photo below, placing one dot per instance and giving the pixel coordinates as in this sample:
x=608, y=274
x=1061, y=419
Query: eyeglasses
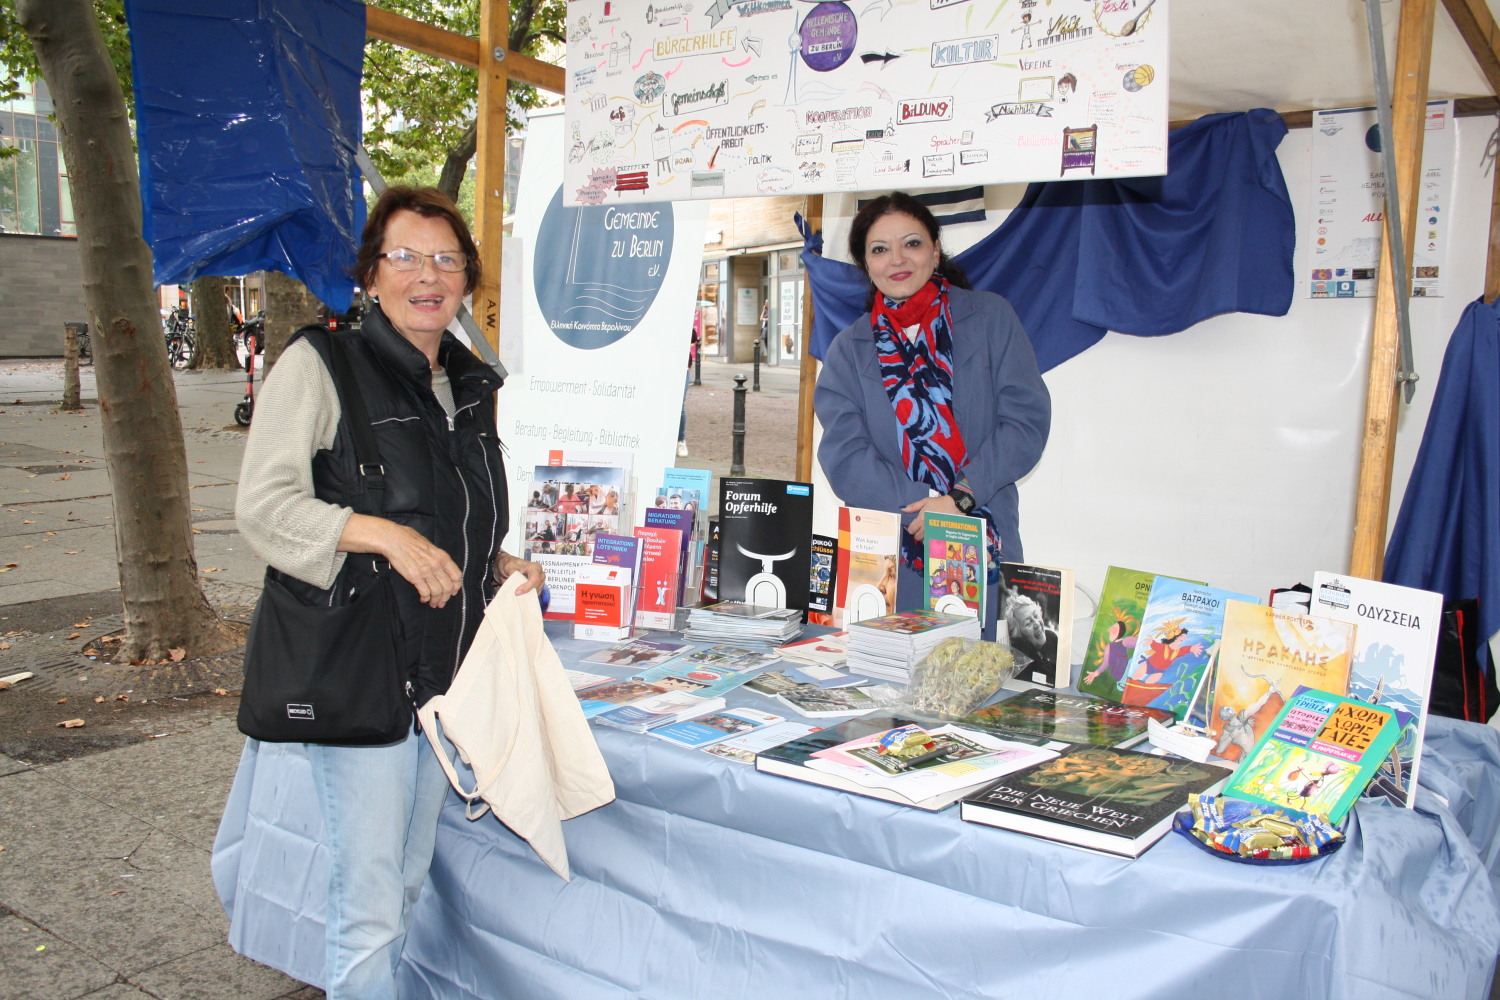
x=403, y=259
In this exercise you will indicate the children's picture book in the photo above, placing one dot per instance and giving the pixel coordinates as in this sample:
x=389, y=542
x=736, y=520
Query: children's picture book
x=1318, y=755
x=765, y=541
x=743, y=747
x=569, y=506
x=715, y=726
x=869, y=546
x=1067, y=718
x=1036, y=607
x=1265, y=655
x=1394, y=652
x=1102, y=798
x=820, y=582
x=954, y=565
x=1180, y=634
x=1122, y=604
x=660, y=586
x=637, y=653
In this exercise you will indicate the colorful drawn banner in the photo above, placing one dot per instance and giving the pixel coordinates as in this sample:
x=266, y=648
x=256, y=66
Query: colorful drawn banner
x=757, y=97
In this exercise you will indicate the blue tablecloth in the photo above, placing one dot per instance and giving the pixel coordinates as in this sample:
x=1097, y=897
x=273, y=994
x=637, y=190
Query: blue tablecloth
x=708, y=879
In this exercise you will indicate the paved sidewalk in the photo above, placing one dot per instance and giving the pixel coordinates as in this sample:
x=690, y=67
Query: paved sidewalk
x=105, y=837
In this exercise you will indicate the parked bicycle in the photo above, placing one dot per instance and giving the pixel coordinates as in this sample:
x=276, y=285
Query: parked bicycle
x=181, y=337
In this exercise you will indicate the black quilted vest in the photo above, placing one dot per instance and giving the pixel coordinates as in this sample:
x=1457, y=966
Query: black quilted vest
x=444, y=478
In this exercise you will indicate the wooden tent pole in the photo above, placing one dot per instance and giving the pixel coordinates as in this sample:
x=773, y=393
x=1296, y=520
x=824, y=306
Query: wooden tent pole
x=489, y=153
x=812, y=214
x=1409, y=116
x=1482, y=34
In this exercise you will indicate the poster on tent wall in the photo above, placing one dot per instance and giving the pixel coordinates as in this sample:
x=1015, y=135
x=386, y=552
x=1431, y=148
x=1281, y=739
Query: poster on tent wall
x=1344, y=223
x=607, y=304
x=737, y=98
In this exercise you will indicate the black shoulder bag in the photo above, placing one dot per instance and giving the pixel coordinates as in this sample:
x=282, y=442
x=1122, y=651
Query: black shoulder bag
x=333, y=669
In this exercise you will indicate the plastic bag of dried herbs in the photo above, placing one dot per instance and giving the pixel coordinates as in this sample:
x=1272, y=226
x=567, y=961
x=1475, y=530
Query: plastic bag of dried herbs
x=958, y=676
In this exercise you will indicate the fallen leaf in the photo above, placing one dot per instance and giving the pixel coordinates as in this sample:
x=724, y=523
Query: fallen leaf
x=71, y=724
x=197, y=532
x=177, y=653
x=98, y=698
x=4, y=685
x=117, y=892
x=82, y=624
x=65, y=475
x=220, y=692
x=28, y=522
x=60, y=701
x=74, y=635
x=9, y=566
x=213, y=569
x=122, y=697
x=51, y=532
x=4, y=645
x=72, y=552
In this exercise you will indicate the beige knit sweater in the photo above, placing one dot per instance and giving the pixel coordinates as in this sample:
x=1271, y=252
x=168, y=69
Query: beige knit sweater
x=296, y=415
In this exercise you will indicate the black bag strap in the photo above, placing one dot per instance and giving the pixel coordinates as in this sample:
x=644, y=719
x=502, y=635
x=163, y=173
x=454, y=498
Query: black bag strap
x=352, y=401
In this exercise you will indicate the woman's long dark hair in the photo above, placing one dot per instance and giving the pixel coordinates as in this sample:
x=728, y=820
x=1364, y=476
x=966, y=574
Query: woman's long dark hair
x=903, y=203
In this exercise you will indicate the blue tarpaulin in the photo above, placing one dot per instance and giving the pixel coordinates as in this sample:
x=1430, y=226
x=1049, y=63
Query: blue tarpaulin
x=1447, y=536
x=248, y=116
x=1144, y=256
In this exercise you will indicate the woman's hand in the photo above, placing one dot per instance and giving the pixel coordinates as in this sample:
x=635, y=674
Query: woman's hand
x=942, y=504
x=422, y=564
x=507, y=564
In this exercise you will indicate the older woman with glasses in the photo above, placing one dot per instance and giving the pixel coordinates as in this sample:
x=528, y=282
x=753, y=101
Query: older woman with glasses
x=431, y=407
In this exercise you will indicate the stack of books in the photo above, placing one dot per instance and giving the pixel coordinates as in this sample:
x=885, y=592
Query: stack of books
x=889, y=646
x=741, y=624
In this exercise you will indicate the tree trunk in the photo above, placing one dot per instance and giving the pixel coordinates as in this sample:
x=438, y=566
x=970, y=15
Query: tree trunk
x=143, y=444
x=289, y=307
x=71, y=393
x=456, y=166
x=211, y=321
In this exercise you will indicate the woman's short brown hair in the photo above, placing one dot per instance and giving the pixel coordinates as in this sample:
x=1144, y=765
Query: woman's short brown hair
x=427, y=202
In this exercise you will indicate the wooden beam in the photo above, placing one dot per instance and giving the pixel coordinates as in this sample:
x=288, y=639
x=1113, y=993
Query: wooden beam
x=1409, y=118
x=461, y=49
x=1477, y=26
x=812, y=213
x=1492, y=258
x=489, y=154
x=389, y=26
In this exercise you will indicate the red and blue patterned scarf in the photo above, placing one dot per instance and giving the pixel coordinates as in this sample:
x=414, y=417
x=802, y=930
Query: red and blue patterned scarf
x=917, y=375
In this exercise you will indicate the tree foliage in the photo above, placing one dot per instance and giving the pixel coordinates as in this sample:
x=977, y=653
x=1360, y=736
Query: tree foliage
x=421, y=111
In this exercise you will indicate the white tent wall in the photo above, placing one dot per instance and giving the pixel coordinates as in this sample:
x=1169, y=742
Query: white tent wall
x=1228, y=452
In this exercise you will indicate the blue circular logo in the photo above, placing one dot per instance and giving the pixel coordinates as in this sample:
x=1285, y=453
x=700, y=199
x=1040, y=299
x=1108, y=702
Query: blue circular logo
x=597, y=268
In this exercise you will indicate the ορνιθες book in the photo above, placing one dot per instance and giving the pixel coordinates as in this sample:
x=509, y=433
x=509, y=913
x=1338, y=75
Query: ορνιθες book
x=1102, y=798
x=1117, y=625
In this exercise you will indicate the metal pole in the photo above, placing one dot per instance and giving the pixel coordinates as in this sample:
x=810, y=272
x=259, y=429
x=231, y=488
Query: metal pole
x=737, y=461
x=756, y=369
x=698, y=365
